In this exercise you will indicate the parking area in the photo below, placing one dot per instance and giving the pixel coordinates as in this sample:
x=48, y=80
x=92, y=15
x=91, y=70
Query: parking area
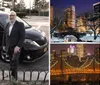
x=39, y=22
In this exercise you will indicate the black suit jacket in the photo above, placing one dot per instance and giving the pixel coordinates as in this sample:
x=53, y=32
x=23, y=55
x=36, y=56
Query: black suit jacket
x=17, y=35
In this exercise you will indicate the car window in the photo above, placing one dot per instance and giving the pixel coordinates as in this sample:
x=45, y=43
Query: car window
x=4, y=20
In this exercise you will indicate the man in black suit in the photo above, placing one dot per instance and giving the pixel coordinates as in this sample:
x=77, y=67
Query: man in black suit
x=15, y=36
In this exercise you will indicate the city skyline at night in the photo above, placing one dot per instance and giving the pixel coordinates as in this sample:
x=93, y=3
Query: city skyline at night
x=89, y=48
x=80, y=67
x=74, y=51
x=71, y=21
x=80, y=5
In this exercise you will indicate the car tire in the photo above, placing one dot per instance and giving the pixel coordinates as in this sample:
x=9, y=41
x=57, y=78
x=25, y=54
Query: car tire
x=4, y=56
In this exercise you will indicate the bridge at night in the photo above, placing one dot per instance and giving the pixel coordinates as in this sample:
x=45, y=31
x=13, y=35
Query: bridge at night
x=62, y=69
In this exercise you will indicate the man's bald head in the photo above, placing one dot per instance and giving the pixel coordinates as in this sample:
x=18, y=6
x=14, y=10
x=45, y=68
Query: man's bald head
x=12, y=16
x=12, y=13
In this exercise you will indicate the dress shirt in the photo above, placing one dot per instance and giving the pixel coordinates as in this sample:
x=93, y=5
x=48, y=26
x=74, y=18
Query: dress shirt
x=11, y=26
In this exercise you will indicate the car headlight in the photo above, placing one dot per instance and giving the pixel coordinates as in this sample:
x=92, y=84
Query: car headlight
x=31, y=42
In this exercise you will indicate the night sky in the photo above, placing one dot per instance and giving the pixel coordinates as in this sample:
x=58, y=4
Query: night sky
x=80, y=5
x=88, y=47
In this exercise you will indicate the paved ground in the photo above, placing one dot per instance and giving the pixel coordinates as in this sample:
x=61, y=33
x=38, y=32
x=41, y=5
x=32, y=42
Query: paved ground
x=39, y=22
x=23, y=83
x=39, y=65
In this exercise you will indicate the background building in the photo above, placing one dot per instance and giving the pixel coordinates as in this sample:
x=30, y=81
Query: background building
x=71, y=50
x=69, y=16
x=80, y=51
x=62, y=68
x=96, y=7
x=51, y=15
x=97, y=52
x=81, y=24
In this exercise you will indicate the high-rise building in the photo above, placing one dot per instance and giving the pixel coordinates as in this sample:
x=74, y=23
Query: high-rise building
x=53, y=55
x=96, y=8
x=97, y=52
x=71, y=49
x=80, y=51
x=69, y=16
x=51, y=15
x=81, y=24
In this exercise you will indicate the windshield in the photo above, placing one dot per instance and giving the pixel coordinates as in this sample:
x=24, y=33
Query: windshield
x=3, y=20
x=24, y=22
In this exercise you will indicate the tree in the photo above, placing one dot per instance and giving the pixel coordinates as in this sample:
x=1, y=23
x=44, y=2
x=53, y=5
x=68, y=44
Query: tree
x=44, y=5
x=94, y=24
x=10, y=1
x=36, y=5
x=22, y=5
x=41, y=5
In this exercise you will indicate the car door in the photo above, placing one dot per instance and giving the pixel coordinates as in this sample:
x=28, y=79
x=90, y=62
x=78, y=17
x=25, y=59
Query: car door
x=1, y=35
x=3, y=22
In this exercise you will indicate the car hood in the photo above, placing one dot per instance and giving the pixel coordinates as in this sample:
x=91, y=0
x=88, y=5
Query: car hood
x=35, y=35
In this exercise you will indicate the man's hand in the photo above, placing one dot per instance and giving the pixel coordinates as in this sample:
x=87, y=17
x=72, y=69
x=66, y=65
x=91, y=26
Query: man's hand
x=4, y=48
x=16, y=49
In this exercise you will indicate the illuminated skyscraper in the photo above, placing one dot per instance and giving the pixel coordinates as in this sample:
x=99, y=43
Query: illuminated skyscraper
x=51, y=15
x=80, y=24
x=97, y=52
x=71, y=49
x=53, y=55
x=69, y=16
x=96, y=8
x=80, y=51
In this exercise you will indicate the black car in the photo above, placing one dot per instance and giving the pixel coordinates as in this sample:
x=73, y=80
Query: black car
x=35, y=44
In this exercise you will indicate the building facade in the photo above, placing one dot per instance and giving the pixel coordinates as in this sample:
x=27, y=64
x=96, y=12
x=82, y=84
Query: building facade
x=96, y=7
x=71, y=50
x=51, y=15
x=69, y=16
x=80, y=51
x=81, y=24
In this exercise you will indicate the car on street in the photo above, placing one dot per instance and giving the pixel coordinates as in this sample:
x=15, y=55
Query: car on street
x=34, y=46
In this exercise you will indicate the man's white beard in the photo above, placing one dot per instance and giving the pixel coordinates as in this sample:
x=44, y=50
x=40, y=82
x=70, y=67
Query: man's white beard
x=12, y=21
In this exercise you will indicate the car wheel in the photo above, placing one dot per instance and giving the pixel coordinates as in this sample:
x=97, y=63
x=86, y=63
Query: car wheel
x=4, y=56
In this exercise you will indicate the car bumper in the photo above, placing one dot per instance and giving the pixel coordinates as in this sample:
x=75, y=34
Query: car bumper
x=30, y=53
